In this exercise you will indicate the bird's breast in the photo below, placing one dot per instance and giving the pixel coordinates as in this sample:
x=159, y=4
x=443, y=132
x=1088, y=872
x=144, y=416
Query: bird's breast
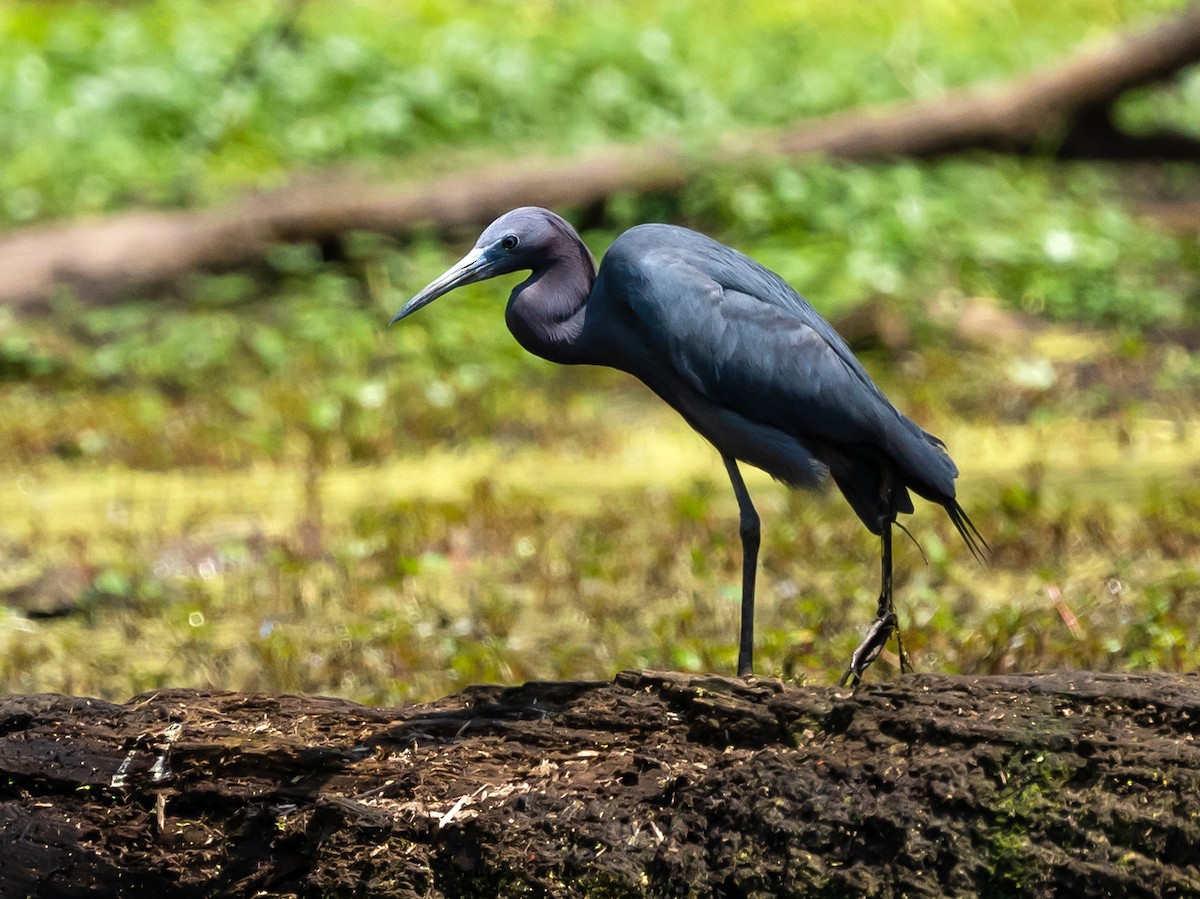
x=778, y=453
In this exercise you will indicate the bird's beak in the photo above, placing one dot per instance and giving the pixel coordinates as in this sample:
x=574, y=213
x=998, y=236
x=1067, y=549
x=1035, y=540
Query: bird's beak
x=475, y=266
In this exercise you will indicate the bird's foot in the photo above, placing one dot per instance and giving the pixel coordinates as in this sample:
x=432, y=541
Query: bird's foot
x=868, y=650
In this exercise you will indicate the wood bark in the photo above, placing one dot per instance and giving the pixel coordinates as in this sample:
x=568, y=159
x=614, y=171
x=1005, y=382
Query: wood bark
x=1064, y=106
x=1069, y=783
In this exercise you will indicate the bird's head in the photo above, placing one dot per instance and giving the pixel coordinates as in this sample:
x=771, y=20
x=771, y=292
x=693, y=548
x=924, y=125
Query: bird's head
x=521, y=240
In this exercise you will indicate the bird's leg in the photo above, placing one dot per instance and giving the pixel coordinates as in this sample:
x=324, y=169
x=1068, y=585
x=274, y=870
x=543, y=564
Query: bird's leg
x=905, y=663
x=883, y=625
x=749, y=529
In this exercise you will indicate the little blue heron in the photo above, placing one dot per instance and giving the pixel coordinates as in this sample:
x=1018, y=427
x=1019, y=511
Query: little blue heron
x=740, y=355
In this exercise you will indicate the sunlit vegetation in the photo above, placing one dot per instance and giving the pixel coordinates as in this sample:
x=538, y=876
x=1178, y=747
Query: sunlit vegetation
x=169, y=102
x=262, y=487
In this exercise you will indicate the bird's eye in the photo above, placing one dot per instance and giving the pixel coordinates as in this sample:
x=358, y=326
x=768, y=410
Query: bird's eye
x=510, y=242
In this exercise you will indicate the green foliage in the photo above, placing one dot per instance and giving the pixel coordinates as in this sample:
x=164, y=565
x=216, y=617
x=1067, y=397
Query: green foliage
x=273, y=491
x=241, y=369
x=395, y=599
x=1059, y=242
x=104, y=106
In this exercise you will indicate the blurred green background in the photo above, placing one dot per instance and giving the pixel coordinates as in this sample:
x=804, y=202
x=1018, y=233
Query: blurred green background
x=248, y=482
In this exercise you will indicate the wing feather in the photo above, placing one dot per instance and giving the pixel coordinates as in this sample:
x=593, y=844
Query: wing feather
x=763, y=360
x=743, y=338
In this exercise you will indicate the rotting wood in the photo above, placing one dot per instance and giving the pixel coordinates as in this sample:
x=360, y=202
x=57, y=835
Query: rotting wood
x=1068, y=783
x=1064, y=105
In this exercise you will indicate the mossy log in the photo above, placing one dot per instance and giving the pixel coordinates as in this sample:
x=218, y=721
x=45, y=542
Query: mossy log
x=1069, y=783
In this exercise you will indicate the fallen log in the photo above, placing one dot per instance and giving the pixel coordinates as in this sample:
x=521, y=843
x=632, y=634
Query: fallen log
x=1064, y=105
x=1069, y=783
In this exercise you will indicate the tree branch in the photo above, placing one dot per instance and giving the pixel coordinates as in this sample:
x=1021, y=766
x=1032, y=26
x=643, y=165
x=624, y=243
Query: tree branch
x=102, y=260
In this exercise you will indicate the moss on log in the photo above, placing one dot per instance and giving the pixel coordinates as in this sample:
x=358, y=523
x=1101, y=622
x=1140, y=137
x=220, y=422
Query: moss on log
x=1069, y=783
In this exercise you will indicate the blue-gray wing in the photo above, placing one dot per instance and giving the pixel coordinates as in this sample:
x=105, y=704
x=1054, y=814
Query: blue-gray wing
x=743, y=338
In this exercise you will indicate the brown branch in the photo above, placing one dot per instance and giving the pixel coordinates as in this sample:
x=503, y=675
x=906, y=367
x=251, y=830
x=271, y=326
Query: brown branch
x=1072, y=783
x=101, y=260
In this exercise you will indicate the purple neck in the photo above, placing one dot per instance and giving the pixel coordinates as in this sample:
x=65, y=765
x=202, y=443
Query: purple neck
x=546, y=311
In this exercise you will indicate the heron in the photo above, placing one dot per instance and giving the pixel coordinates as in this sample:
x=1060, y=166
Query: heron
x=744, y=358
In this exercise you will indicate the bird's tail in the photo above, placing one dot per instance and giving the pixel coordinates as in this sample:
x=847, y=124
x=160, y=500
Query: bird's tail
x=966, y=528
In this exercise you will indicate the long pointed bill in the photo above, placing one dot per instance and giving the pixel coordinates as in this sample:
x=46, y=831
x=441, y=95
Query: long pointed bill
x=475, y=266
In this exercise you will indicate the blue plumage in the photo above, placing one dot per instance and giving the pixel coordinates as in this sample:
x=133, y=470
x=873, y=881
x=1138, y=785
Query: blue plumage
x=743, y=357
